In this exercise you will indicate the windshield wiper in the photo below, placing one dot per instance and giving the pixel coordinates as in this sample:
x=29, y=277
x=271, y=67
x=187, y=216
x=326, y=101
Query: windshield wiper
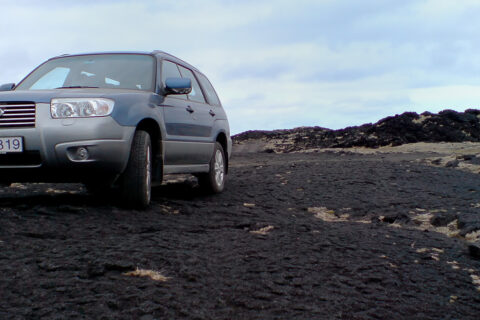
x=75, y=87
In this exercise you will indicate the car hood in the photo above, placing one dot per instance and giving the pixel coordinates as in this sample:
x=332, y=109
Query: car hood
x=45, y=96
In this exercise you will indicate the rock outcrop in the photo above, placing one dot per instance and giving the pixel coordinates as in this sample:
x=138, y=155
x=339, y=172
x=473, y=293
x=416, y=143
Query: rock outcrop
x=409, y=127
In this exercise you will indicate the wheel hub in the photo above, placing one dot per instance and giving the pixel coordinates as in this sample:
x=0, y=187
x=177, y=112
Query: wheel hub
x=219, y=168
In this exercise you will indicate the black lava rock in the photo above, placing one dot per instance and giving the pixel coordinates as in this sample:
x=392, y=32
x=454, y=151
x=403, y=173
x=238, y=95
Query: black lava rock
x=442, y=219
x=396, y=217
x=474, y=250
x=409, y=127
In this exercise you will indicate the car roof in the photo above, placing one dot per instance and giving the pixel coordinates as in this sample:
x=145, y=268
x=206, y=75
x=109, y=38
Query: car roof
x=156, y=53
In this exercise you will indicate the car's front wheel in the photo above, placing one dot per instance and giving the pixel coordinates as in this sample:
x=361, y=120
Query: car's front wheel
x=136, y=181
x=214, y=180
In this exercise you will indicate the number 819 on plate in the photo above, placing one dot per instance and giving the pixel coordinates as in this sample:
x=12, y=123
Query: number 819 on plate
x=11, y=144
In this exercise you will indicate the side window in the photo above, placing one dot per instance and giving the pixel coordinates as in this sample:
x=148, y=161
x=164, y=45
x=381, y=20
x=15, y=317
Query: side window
x=208, y=89
x=196, y=94
x=170, y=70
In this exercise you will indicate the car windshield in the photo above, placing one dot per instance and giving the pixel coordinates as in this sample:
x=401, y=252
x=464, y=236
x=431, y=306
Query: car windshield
x=120, y=71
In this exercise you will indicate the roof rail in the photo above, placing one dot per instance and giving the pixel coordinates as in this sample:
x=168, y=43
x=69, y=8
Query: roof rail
x=61, y=55
x=163, y=52
x=175, y=58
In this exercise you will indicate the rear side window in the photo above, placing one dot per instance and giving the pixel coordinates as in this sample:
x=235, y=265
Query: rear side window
x=208, y=89
x=196, y=94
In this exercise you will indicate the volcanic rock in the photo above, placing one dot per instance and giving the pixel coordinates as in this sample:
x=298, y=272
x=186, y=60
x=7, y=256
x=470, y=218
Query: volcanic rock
x=409, y=127
x=294, y=236
x=443, y=218
x=474, y=250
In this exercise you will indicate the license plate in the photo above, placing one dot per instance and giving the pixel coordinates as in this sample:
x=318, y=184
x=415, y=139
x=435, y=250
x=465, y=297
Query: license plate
x=11, y=144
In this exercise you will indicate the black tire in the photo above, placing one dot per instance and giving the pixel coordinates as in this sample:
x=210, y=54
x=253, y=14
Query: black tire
x=214, y=180
x=136, y=180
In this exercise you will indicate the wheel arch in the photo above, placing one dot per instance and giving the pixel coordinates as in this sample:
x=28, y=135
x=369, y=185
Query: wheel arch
x=153, y=129
x=151, y=126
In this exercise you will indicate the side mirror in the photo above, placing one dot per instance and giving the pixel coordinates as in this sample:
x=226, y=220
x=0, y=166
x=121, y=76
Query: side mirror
x=7, y=87
x=178, y=86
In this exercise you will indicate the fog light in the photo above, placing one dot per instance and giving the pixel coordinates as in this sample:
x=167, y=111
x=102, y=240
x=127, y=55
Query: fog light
x=82, y=153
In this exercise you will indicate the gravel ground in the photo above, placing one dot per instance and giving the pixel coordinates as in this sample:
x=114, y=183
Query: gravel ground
x=294, y=236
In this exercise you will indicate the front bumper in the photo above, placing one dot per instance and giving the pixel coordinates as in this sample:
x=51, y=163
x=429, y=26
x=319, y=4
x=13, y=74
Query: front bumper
x=51, y=148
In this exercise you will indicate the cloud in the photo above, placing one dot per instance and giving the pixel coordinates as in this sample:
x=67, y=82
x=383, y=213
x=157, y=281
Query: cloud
x=275, y=64
x=442, y=97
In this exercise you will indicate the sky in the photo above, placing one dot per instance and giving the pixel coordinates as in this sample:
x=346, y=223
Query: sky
x=275, y=64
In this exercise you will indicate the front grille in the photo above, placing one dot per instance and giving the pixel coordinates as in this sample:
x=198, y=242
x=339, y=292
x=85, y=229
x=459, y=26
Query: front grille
x=21, y=159
x=17, y=115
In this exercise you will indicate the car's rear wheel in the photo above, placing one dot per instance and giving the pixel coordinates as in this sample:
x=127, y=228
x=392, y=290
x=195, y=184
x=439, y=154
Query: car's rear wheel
x=136, y=181
x=214, y=180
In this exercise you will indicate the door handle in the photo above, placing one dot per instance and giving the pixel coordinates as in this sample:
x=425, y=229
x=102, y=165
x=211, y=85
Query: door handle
x=189, y=109
x=211, y=113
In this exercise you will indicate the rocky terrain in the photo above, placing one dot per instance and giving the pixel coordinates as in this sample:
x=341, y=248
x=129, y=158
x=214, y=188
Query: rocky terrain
x=409, y=127
x=294, y=236
x=319, y=233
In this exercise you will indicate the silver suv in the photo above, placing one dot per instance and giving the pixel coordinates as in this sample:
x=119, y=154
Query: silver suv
x=119, y=120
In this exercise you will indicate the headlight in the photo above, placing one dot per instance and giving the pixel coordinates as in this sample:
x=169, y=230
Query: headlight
x=81, y=107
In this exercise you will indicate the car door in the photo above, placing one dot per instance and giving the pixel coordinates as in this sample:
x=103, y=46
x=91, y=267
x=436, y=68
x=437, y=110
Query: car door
x=203, y=117
x=203, y=113
x=186, y=134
